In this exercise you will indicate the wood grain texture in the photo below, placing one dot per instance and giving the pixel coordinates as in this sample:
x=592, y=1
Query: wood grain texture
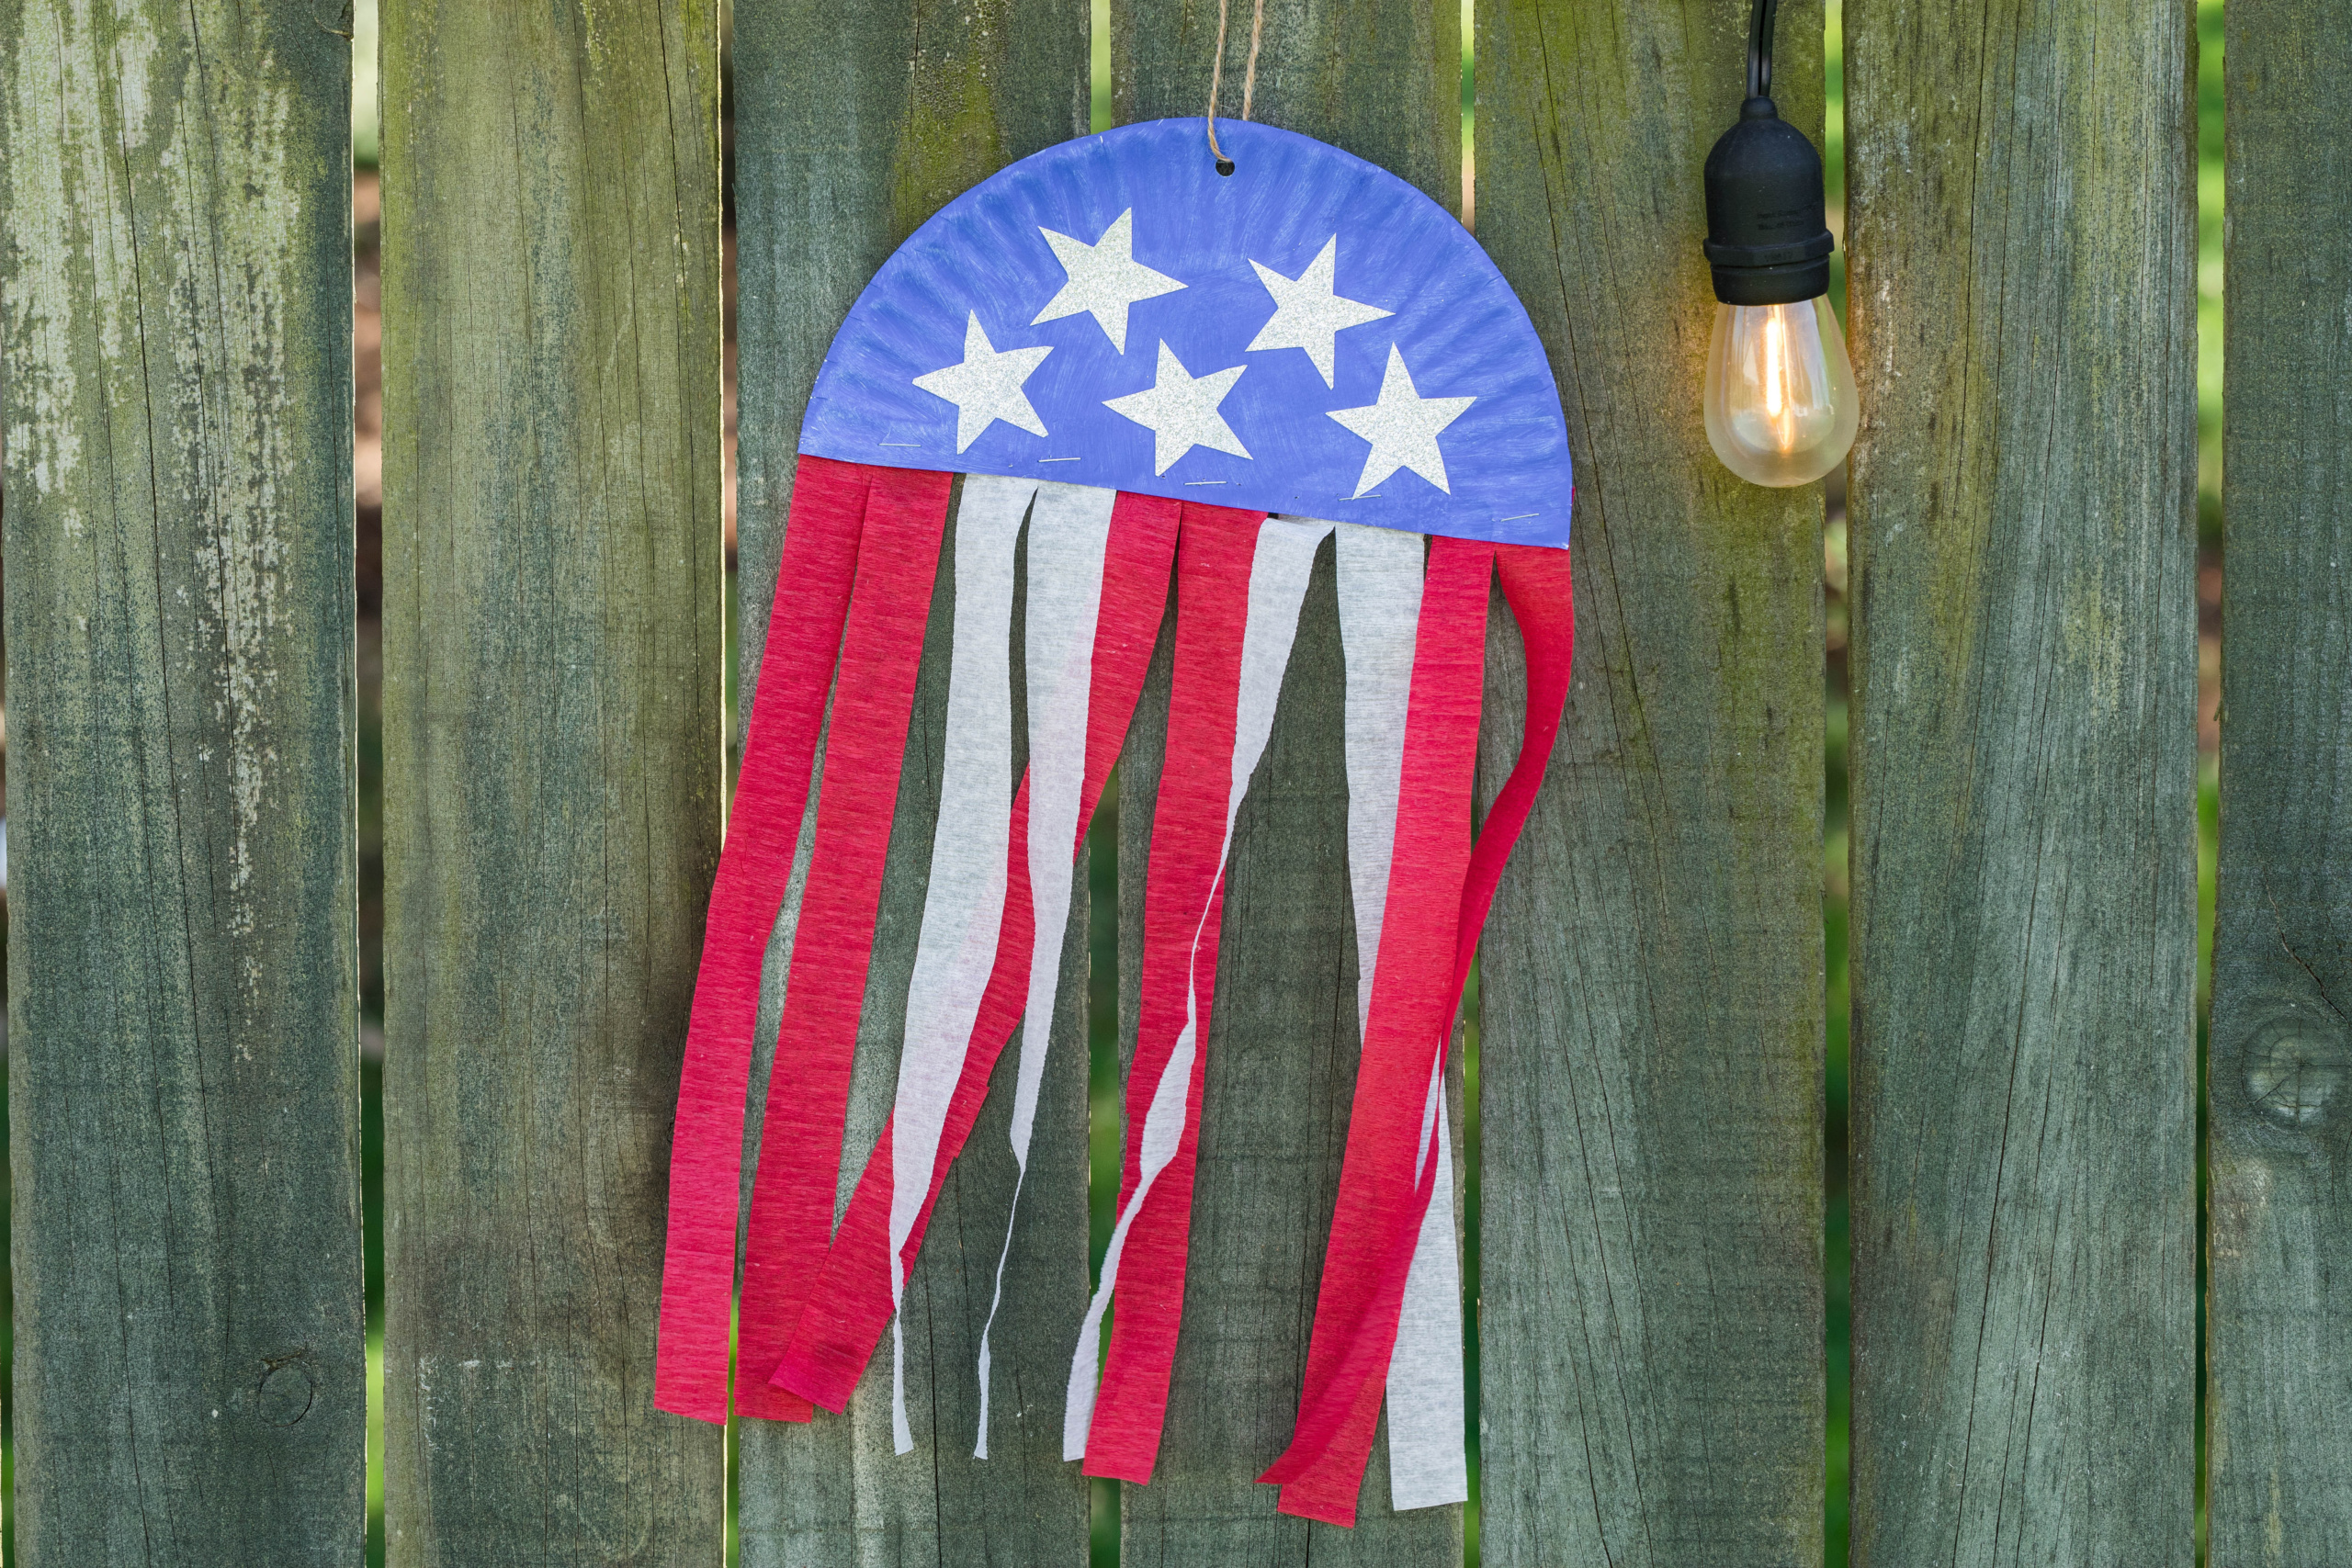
x=176, y=394
x=2024, y=774
x=552, y=663
x=1651, y=1050
x=853, y=123
x=1382, y=81
x=2280, y=1311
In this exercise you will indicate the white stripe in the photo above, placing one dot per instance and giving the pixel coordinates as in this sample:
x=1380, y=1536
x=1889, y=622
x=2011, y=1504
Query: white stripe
x=964, y=905
x=1380, y=612
x=1278, y=574
x=1380, y=607
x=1067, y=531
x=1425, y=1463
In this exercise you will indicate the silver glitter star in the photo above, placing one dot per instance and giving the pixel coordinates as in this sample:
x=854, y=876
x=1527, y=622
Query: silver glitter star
x=987, y=386
x=1402, y=427
x=1104, y=278
x=1179, y=409
x=1308, y=313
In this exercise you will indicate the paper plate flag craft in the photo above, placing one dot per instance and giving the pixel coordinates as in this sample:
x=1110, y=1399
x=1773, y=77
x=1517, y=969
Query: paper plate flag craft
x=1152, y=380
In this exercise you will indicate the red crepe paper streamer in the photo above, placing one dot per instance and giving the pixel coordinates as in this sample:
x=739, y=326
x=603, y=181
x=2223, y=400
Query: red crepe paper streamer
x=850, y=1308
x=835, y=598
x=1382, y=1196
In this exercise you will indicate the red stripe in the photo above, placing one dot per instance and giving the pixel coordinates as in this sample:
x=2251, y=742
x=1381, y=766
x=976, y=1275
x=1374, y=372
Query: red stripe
x=820, y=558
x=1136, y=562
x=1183, y=894
x=1408, y=1018
x=792, y=1191
x=850, y=1307
x=1542, y=591
x=1383, y=1197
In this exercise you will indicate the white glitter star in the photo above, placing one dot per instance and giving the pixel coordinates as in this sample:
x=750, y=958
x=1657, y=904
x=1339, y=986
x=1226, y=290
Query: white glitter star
x=1307, y=311
x=987, y=386
x=1179, y=409
x=1402, y=427
x=1104, y=278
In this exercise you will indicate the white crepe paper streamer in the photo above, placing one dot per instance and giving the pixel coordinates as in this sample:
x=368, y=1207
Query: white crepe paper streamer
x=1380, y=607
x=964, y=905
x=1426, y=1462
x=1068, y=530
x=1278, y=572
x=1380, y=612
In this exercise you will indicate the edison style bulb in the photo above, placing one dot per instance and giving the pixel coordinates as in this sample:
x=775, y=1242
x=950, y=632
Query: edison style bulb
x=1780, y=396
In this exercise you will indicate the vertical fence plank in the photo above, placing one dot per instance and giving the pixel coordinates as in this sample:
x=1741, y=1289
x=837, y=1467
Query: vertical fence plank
x=853, y=123
x=2280, y=1310
x=1650, y=1059
x=1384, y=81
x=551, y=726
x=176, y=390
x=2024, y=756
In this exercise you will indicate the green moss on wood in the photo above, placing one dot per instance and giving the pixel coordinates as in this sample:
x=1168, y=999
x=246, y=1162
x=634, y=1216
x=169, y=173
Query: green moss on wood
x=1651, y=1060
x=2279, y=1313
x=2025, y=682
x=552, y=663
x=176, y=410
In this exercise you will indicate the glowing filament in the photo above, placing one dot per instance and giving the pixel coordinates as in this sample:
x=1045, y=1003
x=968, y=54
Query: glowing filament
x=1780, y=394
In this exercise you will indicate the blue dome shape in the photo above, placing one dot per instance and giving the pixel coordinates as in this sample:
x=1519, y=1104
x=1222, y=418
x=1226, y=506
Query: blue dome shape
x=1309, y=336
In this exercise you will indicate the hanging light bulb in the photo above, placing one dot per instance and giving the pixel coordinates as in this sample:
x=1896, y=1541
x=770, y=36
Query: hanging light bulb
x=1780, y=399
x=1780, y=396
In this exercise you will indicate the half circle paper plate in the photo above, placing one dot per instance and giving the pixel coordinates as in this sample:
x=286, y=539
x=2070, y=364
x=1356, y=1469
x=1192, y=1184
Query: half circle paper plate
x=1182, y=263
x=1119, y=368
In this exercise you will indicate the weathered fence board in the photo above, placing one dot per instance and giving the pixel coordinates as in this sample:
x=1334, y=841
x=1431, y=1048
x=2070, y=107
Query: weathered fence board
x=853, y=123
x=553, y=648
x=1651, y=1059
x=175, y=390
x=2024, y=769
x=1384, y=81
x=2280, y=1341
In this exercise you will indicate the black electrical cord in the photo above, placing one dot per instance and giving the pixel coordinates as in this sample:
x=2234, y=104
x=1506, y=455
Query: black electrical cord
x=1760, y=49
x=1768, y=240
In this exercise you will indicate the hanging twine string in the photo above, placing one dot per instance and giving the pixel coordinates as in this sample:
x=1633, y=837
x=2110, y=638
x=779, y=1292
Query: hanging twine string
x=1249, y=81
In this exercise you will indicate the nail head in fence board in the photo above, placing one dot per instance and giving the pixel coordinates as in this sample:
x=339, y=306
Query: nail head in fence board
x=853, y=123
x=552, y=654
x=175, y=387
x=1384, y=81
x=2024, y=782
x=2279, y=1313
x=1652, y=1045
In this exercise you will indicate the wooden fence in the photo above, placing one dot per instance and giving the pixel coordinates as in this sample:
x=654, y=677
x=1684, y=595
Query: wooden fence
x=175, y=403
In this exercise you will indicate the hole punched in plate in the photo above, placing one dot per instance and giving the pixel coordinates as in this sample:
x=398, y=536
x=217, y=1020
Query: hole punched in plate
x=1217, y=76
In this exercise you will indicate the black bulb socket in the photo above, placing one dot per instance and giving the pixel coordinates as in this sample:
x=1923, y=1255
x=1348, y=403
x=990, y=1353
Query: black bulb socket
x=1767, y=228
